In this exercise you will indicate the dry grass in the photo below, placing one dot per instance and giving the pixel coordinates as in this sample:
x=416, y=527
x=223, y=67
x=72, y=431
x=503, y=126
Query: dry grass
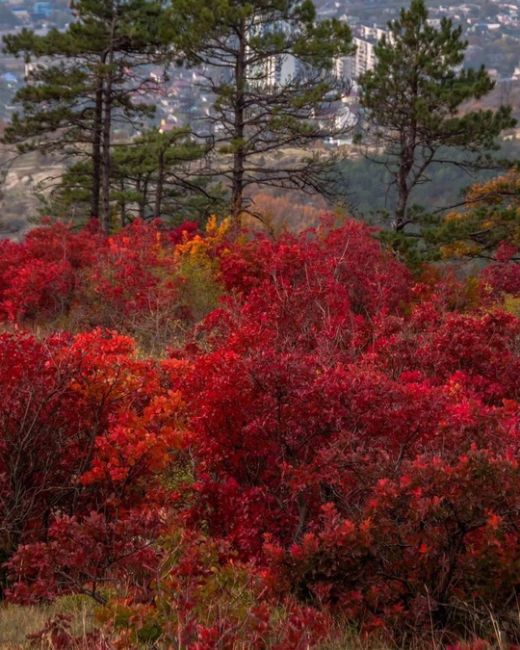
x=17, y=622
x=350, y=640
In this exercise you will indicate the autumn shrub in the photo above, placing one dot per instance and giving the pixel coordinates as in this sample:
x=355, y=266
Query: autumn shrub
x=436, y=546
x=198, y=259
x=330, y=378
x=38, y=277
x=346, y=259
x=503, y=275
x=335, y=440
x=206, y=598
x=286, y=212
x=131, y=281
x=134, y=287
x=144, y=284
x=86, y=432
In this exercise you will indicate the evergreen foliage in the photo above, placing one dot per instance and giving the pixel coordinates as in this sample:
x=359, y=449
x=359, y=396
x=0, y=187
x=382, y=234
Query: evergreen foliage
x=86, y=80
x=255, y=115
x=414, y=105
x=156, y=174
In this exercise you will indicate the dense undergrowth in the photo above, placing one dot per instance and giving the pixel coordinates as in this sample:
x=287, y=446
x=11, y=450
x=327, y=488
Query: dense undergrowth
x=256, y=443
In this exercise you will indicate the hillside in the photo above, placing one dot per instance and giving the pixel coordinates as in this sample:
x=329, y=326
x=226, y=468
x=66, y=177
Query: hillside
x=243, y=442
x=259, y=325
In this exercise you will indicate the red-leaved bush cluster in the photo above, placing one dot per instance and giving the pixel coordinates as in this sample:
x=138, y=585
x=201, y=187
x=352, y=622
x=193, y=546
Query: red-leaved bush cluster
x=335, y=444
x=59, y=278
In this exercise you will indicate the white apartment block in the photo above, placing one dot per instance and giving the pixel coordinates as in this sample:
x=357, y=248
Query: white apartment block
x=278, y=70
x=365, y=57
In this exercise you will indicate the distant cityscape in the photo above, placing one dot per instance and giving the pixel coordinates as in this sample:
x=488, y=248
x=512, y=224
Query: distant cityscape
x=492, y=28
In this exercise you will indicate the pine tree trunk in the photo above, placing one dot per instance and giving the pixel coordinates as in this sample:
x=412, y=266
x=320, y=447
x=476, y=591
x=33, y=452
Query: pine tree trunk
x=96, y=151
x=107, y=131
x=122, y=203
x=160, y=187
x=406, y=164
x=239, y=157
x=402, y=200
x=408, y=146
x=144, y=198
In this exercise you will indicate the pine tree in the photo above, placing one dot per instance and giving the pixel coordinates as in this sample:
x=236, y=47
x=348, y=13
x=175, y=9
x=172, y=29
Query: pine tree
x=414, y=104
x=244, y=51
x=162, y=175
x=489, y=221
x=154, y=174
x=84, y=80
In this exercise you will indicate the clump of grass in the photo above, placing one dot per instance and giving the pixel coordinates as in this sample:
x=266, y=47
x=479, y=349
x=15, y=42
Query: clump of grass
x=18, y=622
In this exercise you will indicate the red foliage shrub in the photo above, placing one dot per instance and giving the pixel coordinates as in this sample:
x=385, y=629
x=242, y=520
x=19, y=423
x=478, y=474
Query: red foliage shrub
x=38, y=277
x=84, y=431
x=333, y=438
x=207, y=598
x=127, y=281
x=344, y=260
x=320, y=387
x=134, y=274
x=439, y=536
x=504, y=274
x=82, y=552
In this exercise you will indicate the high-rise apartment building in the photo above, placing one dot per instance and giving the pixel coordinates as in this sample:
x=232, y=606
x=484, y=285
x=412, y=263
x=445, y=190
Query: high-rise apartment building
x=365, y=39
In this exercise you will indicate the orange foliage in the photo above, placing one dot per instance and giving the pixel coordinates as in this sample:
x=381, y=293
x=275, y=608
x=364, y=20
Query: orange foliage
x=286, y=212
x=503, y=190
